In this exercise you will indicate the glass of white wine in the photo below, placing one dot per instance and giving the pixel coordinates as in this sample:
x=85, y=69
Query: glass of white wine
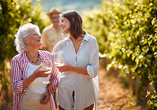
x=47, y=65
x=58, y=58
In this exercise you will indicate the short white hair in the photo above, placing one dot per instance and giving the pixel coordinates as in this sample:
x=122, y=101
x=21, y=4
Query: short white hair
x=23, y=32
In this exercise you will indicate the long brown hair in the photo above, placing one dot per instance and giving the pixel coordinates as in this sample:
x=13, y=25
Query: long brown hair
x=75, y=23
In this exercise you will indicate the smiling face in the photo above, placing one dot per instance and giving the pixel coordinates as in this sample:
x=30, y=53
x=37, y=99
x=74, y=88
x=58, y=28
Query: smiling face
x=71, y=23
x=33, y=40
x=65, y=25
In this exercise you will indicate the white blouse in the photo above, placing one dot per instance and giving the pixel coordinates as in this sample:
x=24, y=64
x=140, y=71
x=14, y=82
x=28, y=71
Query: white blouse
x=85, y=87
x=37, y=86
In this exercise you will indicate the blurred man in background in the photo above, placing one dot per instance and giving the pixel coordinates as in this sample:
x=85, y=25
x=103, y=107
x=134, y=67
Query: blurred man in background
x=52, y=33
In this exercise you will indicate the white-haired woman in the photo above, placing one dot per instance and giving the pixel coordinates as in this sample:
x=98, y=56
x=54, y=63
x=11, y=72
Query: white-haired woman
x=26, y=72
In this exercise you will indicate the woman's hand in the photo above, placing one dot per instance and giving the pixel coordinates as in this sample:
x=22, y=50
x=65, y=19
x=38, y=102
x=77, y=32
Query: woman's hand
x=41, y=73
x=65, y=67
x=37, y=73
x=45, y=98
x=68, y=67
x=51, y=88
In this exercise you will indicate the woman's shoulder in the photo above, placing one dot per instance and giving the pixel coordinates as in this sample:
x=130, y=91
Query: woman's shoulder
x=43, y=52
x=18, y=56
x=91, y=38
x=60, y=43
x=59, y=46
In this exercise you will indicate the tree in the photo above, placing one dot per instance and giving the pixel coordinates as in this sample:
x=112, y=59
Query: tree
x=13, y=14
x=127, y=34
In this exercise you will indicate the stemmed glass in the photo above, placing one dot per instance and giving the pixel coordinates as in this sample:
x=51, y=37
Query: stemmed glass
x=58, y=58
x=47, y=65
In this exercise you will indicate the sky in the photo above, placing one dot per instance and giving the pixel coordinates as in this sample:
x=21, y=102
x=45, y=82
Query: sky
x=64, y=5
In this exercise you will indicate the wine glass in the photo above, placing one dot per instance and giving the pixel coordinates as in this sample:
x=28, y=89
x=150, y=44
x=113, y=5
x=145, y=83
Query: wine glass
x=58, y=58
x=47, y=65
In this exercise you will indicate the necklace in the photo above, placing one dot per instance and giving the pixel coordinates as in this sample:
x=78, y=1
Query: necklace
x=33, y=61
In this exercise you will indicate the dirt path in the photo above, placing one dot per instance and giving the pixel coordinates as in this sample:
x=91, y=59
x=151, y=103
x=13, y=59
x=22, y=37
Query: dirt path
x=112, y=94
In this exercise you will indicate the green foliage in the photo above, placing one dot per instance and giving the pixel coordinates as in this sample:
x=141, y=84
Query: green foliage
x=127, y=35
x=13, y=14
x=98, y=28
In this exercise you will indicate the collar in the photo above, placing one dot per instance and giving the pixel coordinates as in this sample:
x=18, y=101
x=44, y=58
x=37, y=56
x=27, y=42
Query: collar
x=86, y=37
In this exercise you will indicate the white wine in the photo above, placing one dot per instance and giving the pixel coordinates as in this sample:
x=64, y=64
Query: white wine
x=48, y=72
x=47, y=68
x=59, y=64
x=46, y=82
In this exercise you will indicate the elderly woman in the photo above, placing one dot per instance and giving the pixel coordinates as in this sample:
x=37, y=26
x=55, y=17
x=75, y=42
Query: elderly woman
x=30, y=93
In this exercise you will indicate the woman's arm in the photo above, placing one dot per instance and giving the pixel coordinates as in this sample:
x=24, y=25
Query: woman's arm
x=78, y=70
x=16, y=76
x=18, y=83
x=93, y=66
x=68, y=67
x=29, y=80
x=54, y=79
x=37, y=73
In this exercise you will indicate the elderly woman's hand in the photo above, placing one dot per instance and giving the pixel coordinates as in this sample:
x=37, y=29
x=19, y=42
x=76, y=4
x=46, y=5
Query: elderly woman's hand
x=41, y=73
x=45, y=98
x=51, y=88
